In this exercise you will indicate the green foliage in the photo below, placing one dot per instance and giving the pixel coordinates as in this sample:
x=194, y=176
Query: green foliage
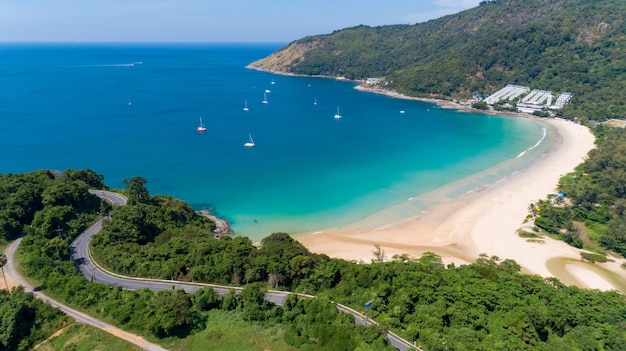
x=170, y=313
x=596, y=196
x=229, y=331
x=577, y=46
x=485, y=305
x=89, y=178
x=136, y=190
x=481, y=105
x=206, y=299
x=253, y=300
x=316, y=324
x=20, y=199
x=26, y=321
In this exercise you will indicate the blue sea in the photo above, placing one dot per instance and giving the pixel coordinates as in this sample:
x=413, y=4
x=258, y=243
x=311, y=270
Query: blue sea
x=126, y=110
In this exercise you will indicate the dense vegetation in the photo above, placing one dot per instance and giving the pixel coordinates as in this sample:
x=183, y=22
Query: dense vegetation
x=58, y=216
x=488, y=305
x=26, y=321
x=593, y=210
x=577, y=46
x=55, y=204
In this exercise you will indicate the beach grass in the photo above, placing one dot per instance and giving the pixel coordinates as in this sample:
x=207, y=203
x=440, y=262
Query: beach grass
x=593, y=257
x=590, y=233
x=526, y=234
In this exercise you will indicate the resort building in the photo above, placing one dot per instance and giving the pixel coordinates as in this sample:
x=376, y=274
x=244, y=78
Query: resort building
x=531, y=100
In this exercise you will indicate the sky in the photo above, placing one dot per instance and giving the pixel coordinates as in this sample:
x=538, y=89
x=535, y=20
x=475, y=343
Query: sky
x=205, y=20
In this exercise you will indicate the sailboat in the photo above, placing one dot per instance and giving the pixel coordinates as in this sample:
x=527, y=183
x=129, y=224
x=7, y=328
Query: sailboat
x=201, y=127
x=245, y=107
x=264, y=98
x=250, y=142
x=337, y=116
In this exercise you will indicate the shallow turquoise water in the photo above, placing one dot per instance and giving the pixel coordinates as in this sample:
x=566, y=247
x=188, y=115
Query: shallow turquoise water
x=132, y=110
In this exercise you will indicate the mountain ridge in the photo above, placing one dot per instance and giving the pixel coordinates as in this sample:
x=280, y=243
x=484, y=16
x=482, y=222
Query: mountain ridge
x=577, y=46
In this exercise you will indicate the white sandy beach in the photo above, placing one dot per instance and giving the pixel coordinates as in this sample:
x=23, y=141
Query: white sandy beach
x=487, y=222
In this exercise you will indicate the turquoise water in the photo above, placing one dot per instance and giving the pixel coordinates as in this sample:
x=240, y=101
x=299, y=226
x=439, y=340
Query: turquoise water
x=132, y=110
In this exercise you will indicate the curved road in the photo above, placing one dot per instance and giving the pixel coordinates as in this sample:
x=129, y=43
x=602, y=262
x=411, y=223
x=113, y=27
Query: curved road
x=79, y=253
x=91, y=270
x=11, y=273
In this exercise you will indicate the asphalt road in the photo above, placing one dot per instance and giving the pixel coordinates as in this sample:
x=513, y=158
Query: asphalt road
x=80, y=256
x=11, y=274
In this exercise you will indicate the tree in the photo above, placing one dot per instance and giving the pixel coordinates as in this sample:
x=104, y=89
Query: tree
x=136, y=189
x=379, y=254
x=171, y=313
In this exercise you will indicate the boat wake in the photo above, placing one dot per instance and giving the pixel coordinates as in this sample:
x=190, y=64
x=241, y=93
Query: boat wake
x=131, y=64
x=534, y=146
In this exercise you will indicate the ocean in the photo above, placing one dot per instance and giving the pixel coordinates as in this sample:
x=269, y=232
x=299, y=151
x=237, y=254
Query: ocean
x=126, y=110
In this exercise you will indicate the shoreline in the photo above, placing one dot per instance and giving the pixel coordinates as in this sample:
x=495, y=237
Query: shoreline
x=484, y=221
x=360, y=85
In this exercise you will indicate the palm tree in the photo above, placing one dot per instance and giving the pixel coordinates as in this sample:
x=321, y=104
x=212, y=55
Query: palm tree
x=3, y=261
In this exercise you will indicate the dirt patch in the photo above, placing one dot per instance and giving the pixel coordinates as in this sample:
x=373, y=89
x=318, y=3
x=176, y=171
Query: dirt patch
x=616, y=123
x=48, y=347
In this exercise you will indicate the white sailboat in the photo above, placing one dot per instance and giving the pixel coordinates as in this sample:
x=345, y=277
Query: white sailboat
x=250, y=142
x=201, y=127
x=337, y=116
x=264, y=98
x=245, y=107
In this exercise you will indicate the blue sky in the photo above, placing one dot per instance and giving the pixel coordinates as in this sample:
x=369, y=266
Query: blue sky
x=205, y=20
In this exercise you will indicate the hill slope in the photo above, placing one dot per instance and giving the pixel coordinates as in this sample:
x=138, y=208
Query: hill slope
x=576, y=45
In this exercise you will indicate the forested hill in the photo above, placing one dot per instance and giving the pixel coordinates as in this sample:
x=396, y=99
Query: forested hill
x=577, y=46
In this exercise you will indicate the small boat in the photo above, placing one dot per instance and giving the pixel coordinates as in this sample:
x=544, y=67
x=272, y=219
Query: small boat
x=129, y=103
x=264, y=98
x=268, y=91
x=201, y=127
x=250, y=142
x=338, y=116
x=245, y=107
x=273, y=82
x=315, y=101
x=401, y=111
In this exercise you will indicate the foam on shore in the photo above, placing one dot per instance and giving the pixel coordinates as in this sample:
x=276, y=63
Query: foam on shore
x=484, y=220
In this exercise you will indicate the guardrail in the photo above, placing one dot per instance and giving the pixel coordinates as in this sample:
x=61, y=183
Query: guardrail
x=397, y=341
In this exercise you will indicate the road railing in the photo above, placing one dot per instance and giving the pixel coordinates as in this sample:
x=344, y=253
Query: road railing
x=274, y=296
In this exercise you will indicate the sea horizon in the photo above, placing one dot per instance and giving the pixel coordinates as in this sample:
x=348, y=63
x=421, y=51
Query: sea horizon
x=125, y=110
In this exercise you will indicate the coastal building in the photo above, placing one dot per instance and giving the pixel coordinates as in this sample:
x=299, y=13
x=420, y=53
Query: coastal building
x=372, y=81
x=528, y=100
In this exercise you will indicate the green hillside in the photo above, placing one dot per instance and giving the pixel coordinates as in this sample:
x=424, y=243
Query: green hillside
x=578, y=46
